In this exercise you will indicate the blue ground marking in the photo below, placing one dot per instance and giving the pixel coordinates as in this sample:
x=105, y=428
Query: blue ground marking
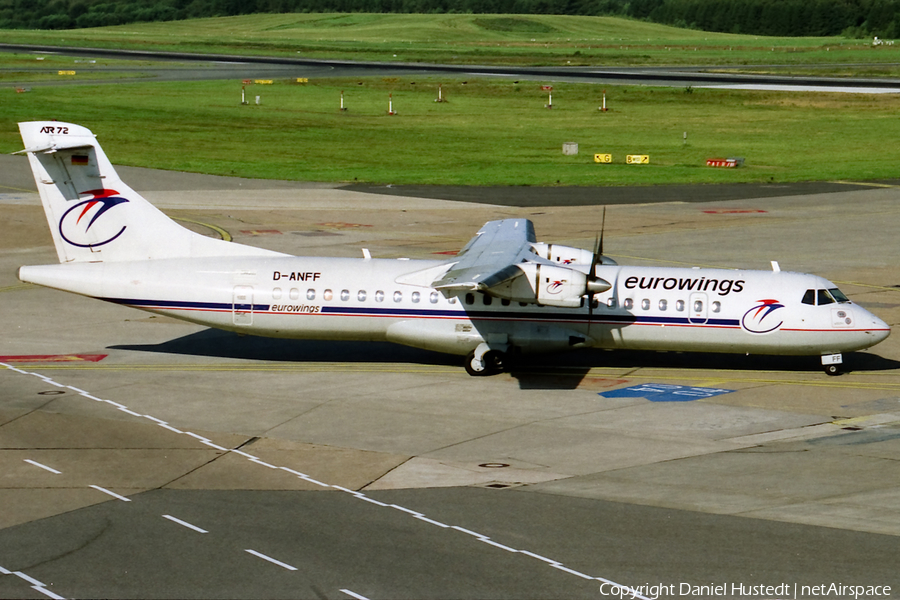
x=664, y=392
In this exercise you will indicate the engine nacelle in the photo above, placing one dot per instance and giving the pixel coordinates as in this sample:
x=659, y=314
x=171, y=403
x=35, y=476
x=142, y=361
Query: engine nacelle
x=544, y=284
x=565, y=255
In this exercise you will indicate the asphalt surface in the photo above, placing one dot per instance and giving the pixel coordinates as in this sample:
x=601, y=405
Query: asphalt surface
x=257, y=468
x=143, y=457
x=222, y=66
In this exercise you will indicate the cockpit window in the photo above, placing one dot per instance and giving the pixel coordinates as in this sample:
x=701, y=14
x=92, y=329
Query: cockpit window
x=839, y=295
x=824, y=298
x=809, y=297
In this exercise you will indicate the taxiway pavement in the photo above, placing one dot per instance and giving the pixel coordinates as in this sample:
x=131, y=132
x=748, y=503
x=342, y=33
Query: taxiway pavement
x=146, y=457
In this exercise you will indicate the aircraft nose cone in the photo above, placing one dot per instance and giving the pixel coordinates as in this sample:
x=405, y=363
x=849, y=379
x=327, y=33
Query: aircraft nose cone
x=878, y=329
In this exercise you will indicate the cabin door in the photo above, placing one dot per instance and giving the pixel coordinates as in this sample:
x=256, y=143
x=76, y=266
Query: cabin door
x=242, y=305
x=698, y=309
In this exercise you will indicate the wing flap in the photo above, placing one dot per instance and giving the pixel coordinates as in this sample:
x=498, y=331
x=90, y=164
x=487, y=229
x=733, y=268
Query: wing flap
x=490, y=258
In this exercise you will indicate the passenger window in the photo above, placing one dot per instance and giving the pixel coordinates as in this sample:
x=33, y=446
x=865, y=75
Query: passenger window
x=679, y=305
x=415, y=296
x=595, y=304
x=276, y=293
x=611, y=303
x=379, y=296
x=716, y=306
x=470, y=298
x=824, y=298
x=295, y=294
x=487, y=300
x=398, y=296
x=452, y=300
x=361, y=295
x=434, y=297
x=327, y=295
x=504, y=302
x=838, y=295
x=663, y=304
x=645, y=304
x=310, y=294
x=345, y=295
x=809, y=297
x=698, y=306
x=628, y=304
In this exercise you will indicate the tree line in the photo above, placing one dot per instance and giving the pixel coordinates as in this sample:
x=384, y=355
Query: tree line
x=852, y=18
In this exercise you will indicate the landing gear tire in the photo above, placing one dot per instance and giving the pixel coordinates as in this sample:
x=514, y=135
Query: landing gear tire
x=832, y=370
x=490, y=363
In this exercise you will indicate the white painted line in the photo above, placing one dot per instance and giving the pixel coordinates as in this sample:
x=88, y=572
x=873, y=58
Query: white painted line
x=271, y=560
x=170, y=428
x=30, y=580
x=46, y=592
x=89, y=397
x=501, y=546
x=184, y=523
x=544, y=558
x=113, y=494
x=417, y=515
x=406, y=510
x=45, y=467
x=373, y=501
x=572, y=571
x=216, y=446
x=354, y=595
x=315, y=481
x=5, y=572
x=456, y=527
x=427, y=520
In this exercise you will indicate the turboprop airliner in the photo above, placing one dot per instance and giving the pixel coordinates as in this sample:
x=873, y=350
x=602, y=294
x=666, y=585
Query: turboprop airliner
x=503, y=294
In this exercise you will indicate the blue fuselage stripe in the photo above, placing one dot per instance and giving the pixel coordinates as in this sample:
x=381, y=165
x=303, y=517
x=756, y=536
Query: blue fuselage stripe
x=541, y=314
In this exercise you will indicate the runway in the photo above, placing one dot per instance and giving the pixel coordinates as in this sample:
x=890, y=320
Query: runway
x=144, y=457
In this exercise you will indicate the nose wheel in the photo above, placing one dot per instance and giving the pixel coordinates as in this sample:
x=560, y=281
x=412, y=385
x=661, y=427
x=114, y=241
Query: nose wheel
x=831, y=364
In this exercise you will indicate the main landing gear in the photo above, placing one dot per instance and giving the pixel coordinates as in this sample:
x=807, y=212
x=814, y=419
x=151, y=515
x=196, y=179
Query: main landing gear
x=485, y=362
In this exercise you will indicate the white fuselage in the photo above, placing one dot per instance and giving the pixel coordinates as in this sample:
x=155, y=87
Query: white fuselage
x=647, y=308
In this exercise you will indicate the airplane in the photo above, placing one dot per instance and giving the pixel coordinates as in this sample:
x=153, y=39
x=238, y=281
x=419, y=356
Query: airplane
x=502, y=295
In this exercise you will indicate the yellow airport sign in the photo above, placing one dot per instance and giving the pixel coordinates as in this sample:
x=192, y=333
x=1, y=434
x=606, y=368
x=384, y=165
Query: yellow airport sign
x=637, y=159
x=603, y=158
x=67, y=72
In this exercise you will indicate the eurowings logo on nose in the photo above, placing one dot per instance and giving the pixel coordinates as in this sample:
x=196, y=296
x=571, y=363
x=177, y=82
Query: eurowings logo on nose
x=757, y=319
x=82, y=225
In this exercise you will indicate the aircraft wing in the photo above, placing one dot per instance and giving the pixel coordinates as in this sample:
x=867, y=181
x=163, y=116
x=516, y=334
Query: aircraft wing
x=490, y=258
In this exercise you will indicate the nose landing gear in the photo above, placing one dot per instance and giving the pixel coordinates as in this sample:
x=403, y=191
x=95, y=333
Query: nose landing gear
x=831, y=364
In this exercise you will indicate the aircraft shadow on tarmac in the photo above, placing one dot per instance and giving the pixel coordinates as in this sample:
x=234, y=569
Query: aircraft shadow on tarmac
x=556, y=371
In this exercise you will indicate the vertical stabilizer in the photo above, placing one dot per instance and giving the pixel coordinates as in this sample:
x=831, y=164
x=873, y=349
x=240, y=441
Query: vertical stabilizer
x=93, y=215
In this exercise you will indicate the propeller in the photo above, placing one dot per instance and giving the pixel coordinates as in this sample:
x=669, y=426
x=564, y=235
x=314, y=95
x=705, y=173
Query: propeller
x=595, y=285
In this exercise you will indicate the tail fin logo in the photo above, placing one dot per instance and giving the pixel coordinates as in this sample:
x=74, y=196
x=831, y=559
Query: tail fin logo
x=756, y=320
x=82, y=225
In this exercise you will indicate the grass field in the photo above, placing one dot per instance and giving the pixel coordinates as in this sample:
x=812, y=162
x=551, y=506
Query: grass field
x=482, y=39
x=488, y=133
